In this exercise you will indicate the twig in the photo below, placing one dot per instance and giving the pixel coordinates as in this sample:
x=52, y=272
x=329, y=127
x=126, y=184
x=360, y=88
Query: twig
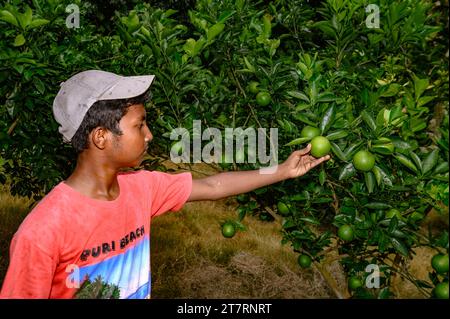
x=273, y=214
x=13, y=125
x=351, y=195
x=331, y=282
x=408, y=277
x=335, y=200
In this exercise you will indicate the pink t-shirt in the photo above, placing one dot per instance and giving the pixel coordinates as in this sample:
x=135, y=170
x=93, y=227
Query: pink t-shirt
x=69, y=238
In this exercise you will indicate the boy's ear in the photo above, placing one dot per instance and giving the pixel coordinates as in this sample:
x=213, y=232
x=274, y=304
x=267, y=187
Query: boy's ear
x=99, y=137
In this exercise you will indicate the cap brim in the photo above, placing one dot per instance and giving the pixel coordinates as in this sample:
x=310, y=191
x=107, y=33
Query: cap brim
x=128, y=87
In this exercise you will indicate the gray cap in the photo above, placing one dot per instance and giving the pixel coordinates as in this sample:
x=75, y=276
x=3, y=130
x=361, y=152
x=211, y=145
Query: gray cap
x=82, y=90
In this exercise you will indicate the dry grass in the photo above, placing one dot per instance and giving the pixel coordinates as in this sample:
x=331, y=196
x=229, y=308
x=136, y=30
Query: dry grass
x=13, y=210
x=191, y=258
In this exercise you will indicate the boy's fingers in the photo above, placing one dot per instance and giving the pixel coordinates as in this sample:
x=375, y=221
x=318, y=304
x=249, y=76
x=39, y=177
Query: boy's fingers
x=321, y=160
x=305, y=150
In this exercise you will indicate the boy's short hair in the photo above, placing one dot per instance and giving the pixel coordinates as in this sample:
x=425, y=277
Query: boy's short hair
x=106, y=114
x=81, y=91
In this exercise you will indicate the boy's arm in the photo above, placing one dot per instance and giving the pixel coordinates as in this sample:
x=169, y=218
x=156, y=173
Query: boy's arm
x=30, y=272
x=231, y=183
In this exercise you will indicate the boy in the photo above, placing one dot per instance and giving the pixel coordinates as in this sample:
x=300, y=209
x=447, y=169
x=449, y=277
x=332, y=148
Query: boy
x=95, y=226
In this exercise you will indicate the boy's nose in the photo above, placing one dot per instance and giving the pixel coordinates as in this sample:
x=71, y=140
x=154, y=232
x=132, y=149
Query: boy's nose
x=148, y=136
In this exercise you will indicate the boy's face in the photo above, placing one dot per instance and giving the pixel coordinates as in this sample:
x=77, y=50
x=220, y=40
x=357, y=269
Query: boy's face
x=128, y=149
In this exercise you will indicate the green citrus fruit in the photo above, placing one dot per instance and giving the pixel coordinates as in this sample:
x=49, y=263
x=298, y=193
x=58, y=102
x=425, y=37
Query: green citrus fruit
x=283, y=209
x=253, y=87
x=439, y=263
x=354, y=283
x=228, y=230
x=364, y=161
x=263, y=98
x=320, y=146
x=310, y=131
x=345, y=232
x=304, y=261
x=441, y=290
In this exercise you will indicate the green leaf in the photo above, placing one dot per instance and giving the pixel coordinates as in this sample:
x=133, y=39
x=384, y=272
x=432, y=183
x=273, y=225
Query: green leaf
x=402, y=146
x=368, y=120
x=381, y=176
x=395, y=113
x=417, y=124
x=193, y=47
x=406, y=162
x=7, y=16
x=377, y=205
x=37, y=23
x=327, y=119
x=383, y=117
x=377, y=173
x=351, y=150
x=338, y=152
x=19, y=40
x=393, y=224
x=384, y=149
x=399, y=234
x=347, y=171
x=424, y=100
x=416, y=160
x=40, y=86
x=249, y=65
x=430, y=161
x=322, y=176
x=325, y=27
x=242, y=212
x=225, y=15
x=337, y=135
x=301, y=107
x=391, y=91
x=299, y=95
x=441, y=168
x=310, y=220
x=326, y=97
x=420, y=85
x=370, y=181
x=214, y=31
x=399, y=246
x=304, y=119
x=25, y=18
x=299, y=140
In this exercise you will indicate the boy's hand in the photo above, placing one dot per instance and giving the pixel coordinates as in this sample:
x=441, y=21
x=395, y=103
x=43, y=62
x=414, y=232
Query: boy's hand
x=300, y=162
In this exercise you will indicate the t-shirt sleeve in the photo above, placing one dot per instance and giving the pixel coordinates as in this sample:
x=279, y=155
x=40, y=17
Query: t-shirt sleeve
x=169, y=192
x=30, y=271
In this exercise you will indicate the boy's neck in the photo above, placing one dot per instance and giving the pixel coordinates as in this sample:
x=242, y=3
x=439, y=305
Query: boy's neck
x=94, y=179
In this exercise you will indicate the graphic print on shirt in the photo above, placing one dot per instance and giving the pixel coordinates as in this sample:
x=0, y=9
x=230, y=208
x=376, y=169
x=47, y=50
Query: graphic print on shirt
x=125, y=275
